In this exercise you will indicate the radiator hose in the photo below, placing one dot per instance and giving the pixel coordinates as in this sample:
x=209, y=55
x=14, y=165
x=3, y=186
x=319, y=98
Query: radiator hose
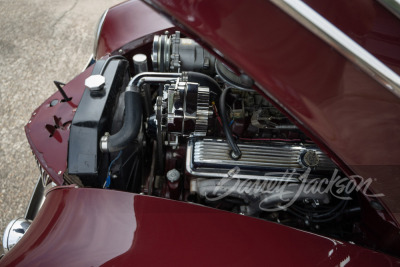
x=131, y=125
x=133, y=111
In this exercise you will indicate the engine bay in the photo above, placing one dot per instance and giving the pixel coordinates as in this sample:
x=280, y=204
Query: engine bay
x=174, y=121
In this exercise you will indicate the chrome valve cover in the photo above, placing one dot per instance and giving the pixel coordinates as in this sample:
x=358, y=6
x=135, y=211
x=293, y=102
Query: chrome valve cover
x=210, y=158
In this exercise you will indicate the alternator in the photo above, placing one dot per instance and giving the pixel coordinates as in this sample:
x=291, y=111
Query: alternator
x=186, y=108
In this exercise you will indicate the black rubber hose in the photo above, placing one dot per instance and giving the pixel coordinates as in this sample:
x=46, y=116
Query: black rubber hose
x=132, y=120
x=236, y=153
x=108, y=60
x=337, y=214
x=205, y=80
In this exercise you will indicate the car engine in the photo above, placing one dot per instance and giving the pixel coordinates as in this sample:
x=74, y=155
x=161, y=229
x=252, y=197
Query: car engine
x=190, y=127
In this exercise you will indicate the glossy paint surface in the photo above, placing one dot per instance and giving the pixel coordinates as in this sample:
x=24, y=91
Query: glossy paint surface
x=343, y=109
x=129, y=21
x=135, y=230
x=368, y=23
x=48, y=129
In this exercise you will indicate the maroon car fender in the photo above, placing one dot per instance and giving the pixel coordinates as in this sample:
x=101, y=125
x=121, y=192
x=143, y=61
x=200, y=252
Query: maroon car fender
x=92, y=227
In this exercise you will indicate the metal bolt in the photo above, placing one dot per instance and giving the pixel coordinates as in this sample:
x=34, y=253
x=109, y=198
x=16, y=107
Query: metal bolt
x=173, y=175
x=234, y=155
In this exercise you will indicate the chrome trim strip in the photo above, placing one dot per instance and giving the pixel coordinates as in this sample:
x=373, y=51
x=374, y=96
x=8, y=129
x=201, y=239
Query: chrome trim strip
x=392, y=5
x=97, y=33
x=36, y=200
x=314, y=22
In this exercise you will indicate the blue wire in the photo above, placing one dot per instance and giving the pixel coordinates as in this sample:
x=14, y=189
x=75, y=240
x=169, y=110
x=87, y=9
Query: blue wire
x=112, y=162
x=107, y=182
x=230, y=124
x=108, y=179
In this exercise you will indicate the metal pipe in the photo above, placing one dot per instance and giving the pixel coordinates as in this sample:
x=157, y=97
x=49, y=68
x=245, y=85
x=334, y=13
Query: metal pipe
x=150, y=77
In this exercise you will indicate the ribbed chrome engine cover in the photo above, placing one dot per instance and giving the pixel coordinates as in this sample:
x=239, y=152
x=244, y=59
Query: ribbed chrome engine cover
x=210, y=158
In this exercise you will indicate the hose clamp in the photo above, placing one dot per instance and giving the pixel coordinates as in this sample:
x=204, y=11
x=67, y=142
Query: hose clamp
x=132, y=88
x=104, y=142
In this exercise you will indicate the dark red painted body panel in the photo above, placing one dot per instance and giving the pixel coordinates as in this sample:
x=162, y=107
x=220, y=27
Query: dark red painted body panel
x=92, y=227
x=347, y=113
x=368, y=23
x=51, y=150
x=129, y=21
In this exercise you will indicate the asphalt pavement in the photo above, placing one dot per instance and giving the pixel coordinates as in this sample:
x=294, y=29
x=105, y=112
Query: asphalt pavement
x=40, y=41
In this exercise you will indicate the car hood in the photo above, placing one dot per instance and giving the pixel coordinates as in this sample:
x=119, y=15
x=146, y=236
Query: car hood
x=344, y=110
